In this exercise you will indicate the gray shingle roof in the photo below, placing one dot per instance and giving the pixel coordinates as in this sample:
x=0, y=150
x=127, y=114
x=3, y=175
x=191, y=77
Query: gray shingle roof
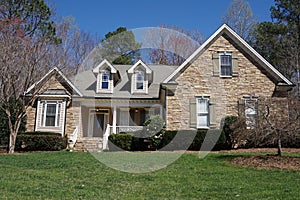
x=86, y=83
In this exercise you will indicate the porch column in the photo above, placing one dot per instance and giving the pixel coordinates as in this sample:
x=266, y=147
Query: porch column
x=115, y=119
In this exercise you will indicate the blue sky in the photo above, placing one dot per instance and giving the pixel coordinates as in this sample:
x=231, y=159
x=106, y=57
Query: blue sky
x=102, y=16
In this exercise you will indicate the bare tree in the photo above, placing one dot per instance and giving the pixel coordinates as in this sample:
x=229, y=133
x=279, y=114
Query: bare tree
x=171, y=45
x=21, y=59
x=276, y=123
x=74, y=48
x=240, y=17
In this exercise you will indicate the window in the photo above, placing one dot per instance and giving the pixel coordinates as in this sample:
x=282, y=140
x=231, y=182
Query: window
x=139, y=80
x=251, y=112
x=50, y=114
x=226, y=65
x=202, y=112
x=105, y=80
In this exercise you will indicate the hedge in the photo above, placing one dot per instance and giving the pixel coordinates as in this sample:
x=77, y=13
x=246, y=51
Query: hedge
x=118, y=142
x=40, y=141
x=193, y=140
x=170, y=140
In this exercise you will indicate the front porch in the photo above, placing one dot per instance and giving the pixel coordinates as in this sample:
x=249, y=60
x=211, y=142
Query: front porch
x=96, y=120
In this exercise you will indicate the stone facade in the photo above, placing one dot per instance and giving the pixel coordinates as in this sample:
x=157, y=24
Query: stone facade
x=30, y=114
x=198, y=80
x=73, y=114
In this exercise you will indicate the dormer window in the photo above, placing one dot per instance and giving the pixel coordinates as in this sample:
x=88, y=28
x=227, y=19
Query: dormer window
x=105, y=80
x=141, y=77
x=107, y=77
x=139, y=80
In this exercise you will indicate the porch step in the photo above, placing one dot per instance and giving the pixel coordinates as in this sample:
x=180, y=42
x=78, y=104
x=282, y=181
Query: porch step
x=93, y=144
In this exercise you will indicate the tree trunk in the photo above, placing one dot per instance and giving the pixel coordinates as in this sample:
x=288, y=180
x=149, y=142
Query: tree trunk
x=279, y=150
x=12, y=142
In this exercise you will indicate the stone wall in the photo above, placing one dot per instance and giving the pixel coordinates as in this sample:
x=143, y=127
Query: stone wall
x=198, y=80
x=30, y=113
x=72, y=118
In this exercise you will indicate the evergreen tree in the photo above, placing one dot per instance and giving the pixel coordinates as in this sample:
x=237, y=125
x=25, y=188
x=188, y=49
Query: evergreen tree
x=279, y=41
x=119, y=47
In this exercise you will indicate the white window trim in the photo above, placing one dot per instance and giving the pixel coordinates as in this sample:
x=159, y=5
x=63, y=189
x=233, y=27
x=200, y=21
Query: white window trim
x=206, y=113
x=220, y=61
x=57, y=103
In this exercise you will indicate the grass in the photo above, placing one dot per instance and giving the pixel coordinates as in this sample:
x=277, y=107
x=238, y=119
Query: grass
x=66, y=175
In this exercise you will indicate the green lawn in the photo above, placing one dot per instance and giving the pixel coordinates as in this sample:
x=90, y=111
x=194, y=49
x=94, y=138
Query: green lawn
x=66, y=175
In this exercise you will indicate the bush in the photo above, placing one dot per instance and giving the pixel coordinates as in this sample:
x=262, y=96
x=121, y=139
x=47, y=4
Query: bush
x=228, y=130
x=39, y=141
x=40, y=133
x=190, y=139
x=150, y=137
x=120, y=142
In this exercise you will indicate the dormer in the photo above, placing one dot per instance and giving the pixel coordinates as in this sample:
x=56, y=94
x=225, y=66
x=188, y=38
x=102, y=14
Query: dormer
x=141, y=77
x=107, y=77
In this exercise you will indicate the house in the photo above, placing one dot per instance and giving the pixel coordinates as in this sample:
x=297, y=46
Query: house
x=222, y=73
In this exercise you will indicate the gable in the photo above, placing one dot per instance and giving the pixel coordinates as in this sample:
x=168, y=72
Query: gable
x=243, y=46
x=54, y=82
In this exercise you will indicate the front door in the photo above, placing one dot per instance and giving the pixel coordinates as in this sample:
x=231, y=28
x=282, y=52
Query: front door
x=97, y=123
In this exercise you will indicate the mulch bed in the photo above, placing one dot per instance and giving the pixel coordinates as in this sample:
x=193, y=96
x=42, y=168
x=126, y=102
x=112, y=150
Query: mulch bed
x=268, y=162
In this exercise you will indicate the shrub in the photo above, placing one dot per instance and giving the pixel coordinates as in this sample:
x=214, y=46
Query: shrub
x=40, y=133
x=190, y=139
x=120, y=141
x=39, y=141
x=150, y=137
x=228, y=130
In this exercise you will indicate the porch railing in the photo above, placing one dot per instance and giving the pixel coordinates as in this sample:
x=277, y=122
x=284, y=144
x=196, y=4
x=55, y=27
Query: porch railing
x=119, y=129
x=73, y=138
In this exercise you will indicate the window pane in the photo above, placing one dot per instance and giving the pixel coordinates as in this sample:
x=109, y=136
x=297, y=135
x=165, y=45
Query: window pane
x=202, y=112
x=50, y=115
x=50, y=121
x=105, y=80
x=226, y=70
x=104, y=85
x=226, y=65
x=139, y=86
x=51, y=110
x=202, y=105
x=139, y=80
x=140, y=77
x=105, y=76
x=202, y=120
x=225, y=60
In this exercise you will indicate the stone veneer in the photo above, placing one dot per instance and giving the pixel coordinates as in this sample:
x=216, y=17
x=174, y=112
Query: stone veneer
x=72, y=118
x=198, y=80
x=31, y=112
